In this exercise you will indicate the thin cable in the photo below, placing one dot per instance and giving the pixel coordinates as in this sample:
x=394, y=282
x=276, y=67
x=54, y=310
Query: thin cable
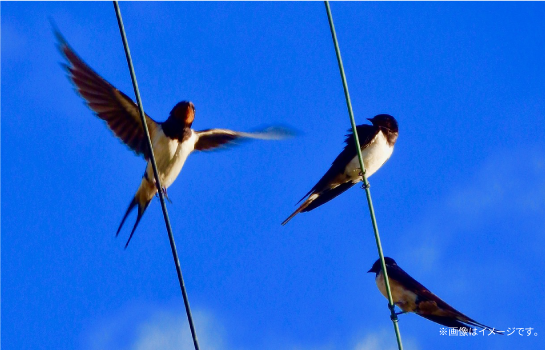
x=391, y=305
x=156, y=174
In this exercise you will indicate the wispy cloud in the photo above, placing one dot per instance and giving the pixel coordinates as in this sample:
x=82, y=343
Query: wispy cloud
x=167, y=330
x=508, y=183
x=513, y=181
x=150, y=327
x=139, y=327
x=384, y=340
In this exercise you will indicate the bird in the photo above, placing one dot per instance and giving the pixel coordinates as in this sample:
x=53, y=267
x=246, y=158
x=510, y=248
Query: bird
x=376, y=143
x=411, y=296
x=173, y=140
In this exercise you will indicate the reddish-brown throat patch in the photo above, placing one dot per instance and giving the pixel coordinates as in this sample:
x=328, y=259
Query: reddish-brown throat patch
x=184, y=112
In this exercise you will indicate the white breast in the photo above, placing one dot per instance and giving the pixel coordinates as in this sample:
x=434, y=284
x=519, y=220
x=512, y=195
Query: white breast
x=170, y=156
x=374, y=156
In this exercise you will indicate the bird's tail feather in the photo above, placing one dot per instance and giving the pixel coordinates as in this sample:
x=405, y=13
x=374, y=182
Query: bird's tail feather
x=317, y=199
x=477, y=324
x=300, y=209
x=450, y=322
x=141, y=210
x=458, y=323
x=328, y=195
x=129, y=210
x=142, y=199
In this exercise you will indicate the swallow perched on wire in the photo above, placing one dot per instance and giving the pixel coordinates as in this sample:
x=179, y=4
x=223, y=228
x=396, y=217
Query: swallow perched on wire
x=173, y=140
x=411, y=296
x=377, y=144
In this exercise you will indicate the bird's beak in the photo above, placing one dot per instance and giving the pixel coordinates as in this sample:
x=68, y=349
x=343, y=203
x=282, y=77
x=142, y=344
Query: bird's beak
x=370, y=271
x=371, y=120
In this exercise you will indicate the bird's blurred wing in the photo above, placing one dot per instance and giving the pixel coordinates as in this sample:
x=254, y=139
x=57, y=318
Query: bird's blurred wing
x=214, y=138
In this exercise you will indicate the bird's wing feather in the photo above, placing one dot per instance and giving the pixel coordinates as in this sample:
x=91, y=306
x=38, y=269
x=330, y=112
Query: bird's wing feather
x=111, y=105
x=214, y=138
x=324, y=197
x=445, y=321
x=423, y=293
x=328, y=195
x=448, y=313
x=366, y=133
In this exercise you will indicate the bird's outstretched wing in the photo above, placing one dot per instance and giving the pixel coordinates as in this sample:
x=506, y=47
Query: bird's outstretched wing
x=111, y=105
x=213, y=138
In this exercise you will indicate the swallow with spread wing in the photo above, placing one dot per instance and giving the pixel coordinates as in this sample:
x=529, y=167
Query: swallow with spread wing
x=411, y=296
x=377, y=144
x=173, y=140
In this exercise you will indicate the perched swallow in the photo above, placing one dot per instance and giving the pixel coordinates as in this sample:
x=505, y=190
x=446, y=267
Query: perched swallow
x=377, y=144
x=173, y=140
x=411, y=296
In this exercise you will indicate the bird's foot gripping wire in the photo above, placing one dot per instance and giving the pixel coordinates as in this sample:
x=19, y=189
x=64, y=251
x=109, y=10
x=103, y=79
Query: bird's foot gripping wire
x=393, y=314
x=165, y=194
x=365, y=184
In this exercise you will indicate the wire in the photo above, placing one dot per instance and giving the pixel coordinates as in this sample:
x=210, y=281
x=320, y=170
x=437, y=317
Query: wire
x=156, y=174
x=366, y=186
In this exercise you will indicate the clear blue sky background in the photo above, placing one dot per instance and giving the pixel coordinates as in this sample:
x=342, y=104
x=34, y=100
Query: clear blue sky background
x=460, y=205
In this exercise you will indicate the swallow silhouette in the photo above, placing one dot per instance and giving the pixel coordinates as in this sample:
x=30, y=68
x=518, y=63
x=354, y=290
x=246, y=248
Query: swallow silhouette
x=377, y=144
x=411, y=296
x=173, y=140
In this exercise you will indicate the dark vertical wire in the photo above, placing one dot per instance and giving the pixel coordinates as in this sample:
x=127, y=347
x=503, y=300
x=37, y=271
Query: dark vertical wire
x=156, y=174
x=391, y=305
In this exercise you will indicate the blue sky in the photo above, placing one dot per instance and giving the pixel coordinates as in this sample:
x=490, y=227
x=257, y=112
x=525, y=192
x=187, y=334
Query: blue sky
x=460, y=205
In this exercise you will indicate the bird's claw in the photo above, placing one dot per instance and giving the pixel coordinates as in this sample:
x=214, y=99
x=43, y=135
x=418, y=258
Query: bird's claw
x=165, y=194
x=393, y=314
x=364, y=186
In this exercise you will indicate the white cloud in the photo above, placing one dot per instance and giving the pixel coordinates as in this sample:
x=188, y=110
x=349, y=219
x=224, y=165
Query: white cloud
x=384, y=340
x=167, y=330
x=506, y=183
x=147, y=327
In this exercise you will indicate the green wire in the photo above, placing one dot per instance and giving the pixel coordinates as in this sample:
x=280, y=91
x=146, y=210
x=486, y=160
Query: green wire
x=391, y=305
x=156, y=174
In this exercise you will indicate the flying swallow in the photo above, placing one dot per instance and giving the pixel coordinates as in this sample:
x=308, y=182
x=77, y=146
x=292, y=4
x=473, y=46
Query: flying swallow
x=377, y=144
x=173, y=140
x=411, y=296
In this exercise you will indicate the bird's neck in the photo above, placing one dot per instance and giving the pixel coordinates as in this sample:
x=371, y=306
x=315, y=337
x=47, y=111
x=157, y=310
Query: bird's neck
x=176, y=130
x=391, y=136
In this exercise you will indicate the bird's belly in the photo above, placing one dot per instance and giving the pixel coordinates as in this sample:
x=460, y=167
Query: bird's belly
x=405, y=299
x=374, y=156
x=170, y=156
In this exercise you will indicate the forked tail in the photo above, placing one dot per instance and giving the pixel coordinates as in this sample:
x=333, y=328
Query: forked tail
x=142, y=199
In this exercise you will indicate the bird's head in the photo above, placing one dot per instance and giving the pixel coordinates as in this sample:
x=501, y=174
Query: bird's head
x=384, y=120
x=377, y=268
x=184, y=112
